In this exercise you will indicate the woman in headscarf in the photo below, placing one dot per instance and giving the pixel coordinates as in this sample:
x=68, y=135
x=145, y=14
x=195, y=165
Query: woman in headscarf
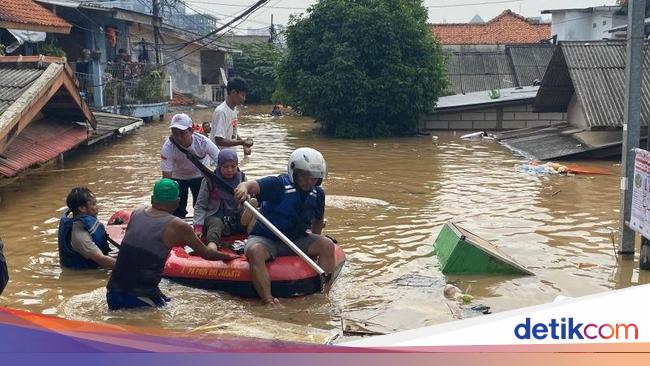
x=216, y=212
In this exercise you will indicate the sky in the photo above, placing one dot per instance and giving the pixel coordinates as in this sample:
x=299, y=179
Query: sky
x=440, y=11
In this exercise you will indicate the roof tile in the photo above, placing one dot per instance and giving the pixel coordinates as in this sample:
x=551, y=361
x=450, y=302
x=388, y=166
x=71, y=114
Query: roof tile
x=29, y=13
x=506, y=28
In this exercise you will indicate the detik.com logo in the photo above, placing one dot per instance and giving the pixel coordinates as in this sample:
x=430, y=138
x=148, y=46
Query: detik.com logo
x=568, y=328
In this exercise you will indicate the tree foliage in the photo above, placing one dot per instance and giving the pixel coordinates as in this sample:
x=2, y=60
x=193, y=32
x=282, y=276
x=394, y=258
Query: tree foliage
x=363, y=67
x=257, y=65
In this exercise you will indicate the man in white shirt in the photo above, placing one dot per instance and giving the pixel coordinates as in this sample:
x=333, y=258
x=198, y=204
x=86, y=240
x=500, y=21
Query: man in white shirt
x=224, y=119
x=177, y=166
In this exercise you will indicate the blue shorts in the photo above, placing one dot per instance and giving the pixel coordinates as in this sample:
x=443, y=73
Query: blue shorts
x=121, y=300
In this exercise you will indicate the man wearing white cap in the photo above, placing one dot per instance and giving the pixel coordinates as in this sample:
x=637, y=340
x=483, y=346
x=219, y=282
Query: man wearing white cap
x=177, y=166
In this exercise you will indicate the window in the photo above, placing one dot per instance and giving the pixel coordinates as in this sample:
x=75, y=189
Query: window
x=604, y=22
x=593, y=25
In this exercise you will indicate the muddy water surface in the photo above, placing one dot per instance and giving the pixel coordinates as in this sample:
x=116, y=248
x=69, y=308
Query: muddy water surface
x=387, y=200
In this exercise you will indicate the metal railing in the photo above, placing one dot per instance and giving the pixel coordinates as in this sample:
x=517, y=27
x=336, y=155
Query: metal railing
x=85, y=86
x=133, y=83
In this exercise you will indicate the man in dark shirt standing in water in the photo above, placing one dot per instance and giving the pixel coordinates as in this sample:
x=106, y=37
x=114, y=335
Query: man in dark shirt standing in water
x=4, y=272
x=149, y=237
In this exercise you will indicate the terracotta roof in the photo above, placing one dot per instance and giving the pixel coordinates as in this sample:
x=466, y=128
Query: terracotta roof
x=38, y=143
x=506, y=28
x=28, y=15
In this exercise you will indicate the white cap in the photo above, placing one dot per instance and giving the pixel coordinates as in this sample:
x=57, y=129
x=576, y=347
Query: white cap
x=181, y=121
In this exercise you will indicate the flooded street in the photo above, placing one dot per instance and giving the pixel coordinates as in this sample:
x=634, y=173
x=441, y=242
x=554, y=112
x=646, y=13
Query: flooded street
x=387, y=200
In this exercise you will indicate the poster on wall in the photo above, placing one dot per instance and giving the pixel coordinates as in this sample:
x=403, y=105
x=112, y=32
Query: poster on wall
x=640, y=217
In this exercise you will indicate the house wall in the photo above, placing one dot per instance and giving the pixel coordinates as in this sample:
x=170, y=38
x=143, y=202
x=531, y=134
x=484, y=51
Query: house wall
x=584, y=26
x=575, y=115
x=185, y=73
x=493, y=119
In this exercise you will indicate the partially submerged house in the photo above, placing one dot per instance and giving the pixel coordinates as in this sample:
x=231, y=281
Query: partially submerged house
x=502, y=109
x=42, y=114
x=492, y=70
x=586, y=81
x=493, y=90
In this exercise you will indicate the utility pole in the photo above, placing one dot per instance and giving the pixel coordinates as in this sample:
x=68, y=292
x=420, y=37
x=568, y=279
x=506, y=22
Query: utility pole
x=155, y=9
x=632, y=118
x=272, y=31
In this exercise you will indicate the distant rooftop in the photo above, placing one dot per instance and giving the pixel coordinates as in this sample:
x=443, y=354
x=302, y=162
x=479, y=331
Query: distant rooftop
x=583, y=10
x=28, y=15
x=506, y=28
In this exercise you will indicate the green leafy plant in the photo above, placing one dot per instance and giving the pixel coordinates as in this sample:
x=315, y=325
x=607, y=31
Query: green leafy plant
x=2, y=49
x=50, y=47
x=363, y=68
x=257, y=64
x=150, y=87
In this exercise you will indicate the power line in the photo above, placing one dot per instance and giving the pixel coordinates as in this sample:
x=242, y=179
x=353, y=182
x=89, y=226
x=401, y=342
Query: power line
x=304, y=8
x=242, y=16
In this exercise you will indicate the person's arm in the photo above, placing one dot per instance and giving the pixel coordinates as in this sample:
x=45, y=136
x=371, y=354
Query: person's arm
x=318, y=223
x=200, y=208
x=211, y=149
x=220, y=141
x=245, y=189
x=182, y=232
x=166, y=164
x=104, y=261
x=83, y=243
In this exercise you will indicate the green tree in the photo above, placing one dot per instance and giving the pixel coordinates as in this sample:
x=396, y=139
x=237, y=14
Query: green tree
x=257, y=65
x=363, y=68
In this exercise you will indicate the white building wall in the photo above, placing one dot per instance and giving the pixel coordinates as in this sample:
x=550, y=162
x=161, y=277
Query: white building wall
x=584, y=26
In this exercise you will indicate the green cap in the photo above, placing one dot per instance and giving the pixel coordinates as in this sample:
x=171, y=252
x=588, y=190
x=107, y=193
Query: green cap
x=165, y=191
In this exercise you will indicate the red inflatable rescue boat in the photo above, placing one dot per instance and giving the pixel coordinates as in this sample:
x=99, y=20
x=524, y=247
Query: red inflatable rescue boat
x=290, y=276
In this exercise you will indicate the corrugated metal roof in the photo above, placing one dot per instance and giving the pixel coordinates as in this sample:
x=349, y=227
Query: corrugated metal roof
x=530, y=62
x=14, y=81
x=517, y=65
x=475, y=71
x=595, y=72
x=38, y=143
x=109, y=124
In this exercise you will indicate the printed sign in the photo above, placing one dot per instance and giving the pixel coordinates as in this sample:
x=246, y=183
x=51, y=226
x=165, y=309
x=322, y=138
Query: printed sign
x=640, y=217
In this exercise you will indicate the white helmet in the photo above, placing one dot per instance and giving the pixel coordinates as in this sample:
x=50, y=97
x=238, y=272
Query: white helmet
x=309, y=160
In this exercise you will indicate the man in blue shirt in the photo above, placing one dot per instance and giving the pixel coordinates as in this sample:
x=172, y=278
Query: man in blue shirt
x=294, y=202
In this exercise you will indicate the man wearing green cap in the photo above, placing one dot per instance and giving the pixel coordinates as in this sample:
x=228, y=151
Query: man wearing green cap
x=149, y=237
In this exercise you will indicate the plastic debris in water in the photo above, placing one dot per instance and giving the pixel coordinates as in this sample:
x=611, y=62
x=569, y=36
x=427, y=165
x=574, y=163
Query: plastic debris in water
x=544, y=169
x=452, y=292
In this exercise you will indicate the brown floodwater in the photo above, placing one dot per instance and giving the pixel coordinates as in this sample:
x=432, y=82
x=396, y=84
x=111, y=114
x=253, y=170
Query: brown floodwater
x=387, y=200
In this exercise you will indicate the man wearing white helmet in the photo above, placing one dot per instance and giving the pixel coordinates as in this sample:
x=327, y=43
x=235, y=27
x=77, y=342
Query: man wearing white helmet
x=293, y=202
